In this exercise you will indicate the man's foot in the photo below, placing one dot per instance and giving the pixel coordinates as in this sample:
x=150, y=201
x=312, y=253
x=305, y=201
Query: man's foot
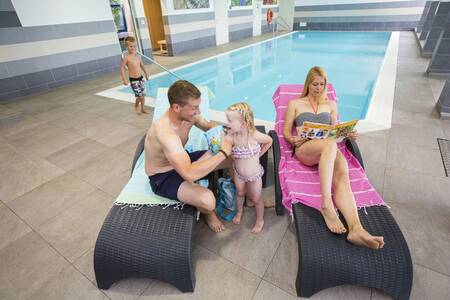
x=258, y=227
x=214, y=223
x=237, y=218
x=268, y=203
x=144, y=111
x=331, y=219
x=361, y=237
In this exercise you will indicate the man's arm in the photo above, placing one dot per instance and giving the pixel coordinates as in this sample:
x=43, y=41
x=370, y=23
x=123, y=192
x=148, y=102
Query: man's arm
x=180, y=161
x=123, y=69
x=203, y=124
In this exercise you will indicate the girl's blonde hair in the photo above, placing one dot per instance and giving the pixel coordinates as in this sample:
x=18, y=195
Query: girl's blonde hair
x=312, y=74
x=246, y=114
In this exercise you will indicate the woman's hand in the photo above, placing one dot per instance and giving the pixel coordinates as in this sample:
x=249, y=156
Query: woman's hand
x=353, y=135
x=296, y=141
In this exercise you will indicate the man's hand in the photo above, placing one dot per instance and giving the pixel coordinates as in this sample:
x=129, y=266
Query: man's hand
x=226, y=143
x=353, y=135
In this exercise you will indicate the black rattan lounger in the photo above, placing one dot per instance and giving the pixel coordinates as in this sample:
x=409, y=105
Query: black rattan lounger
x=327, y=259
x=149, y=242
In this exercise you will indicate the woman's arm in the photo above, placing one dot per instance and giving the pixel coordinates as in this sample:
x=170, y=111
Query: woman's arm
x=264, y=140
x=289, y=121
x=334, y=112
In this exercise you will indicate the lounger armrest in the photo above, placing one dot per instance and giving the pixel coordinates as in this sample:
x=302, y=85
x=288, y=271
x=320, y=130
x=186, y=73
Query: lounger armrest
x=354, y=149
x=139, y=150
x=276, y=160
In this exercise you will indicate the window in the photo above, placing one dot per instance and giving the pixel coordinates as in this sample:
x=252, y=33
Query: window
x=270, y=2
x=119, y=16
x=234, y=3
x=190, y=4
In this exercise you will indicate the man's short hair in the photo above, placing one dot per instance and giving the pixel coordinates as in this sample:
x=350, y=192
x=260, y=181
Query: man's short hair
x=130, y=39
x=180, y=91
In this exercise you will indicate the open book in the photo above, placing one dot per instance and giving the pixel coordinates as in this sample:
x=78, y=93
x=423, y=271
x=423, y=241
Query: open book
x=324, y=131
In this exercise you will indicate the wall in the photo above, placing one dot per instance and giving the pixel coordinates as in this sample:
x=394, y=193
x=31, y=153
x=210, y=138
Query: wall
x=357, y=14
x=142, y=27
x=48, y=43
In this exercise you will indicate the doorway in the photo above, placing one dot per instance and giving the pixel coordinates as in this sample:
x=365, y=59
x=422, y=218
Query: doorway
x=155, y=23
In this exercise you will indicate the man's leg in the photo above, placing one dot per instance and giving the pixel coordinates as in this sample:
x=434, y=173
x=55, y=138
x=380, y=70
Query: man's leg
x=203, y=199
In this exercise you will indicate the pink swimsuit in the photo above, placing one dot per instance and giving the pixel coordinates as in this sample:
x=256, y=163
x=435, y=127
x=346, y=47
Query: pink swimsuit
x=246, y=153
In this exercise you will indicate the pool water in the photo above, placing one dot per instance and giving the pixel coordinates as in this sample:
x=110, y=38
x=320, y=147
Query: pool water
x=352, y=61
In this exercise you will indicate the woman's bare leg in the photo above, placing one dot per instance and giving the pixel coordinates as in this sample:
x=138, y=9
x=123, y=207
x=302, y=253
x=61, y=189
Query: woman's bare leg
x=323, y=152
x=254, y=193
x=345, y=202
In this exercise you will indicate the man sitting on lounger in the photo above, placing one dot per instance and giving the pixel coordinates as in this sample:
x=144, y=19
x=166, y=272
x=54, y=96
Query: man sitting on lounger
x=172, y=171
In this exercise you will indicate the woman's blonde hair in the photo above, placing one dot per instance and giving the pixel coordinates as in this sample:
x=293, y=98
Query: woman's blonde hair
x=246, y=114
x=312, y=74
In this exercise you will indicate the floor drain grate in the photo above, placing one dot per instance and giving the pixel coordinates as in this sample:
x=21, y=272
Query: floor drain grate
x=444, y=147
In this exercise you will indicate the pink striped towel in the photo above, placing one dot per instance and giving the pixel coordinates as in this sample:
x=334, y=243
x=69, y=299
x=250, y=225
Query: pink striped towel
x=300, y=183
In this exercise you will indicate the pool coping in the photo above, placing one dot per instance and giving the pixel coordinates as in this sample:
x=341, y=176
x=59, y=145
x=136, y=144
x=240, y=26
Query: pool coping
x=379, y=113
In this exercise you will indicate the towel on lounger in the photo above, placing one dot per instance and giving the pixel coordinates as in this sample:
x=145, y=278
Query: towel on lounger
x=300, y=183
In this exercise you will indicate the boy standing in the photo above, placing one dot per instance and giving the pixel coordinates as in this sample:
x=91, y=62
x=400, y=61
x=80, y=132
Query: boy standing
x=133, y=62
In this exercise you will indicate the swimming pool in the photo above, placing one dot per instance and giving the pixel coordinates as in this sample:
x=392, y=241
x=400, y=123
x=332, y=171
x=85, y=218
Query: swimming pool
x=352, y=61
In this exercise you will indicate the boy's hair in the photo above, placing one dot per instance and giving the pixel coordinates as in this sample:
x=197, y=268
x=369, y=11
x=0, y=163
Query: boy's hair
x=246, y=113
x=130, y=39
x=180, y=91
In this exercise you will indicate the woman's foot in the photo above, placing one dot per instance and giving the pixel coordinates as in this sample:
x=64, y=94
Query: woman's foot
x=359, y=236
x=331, y=219
x=237, y=218
x=258, y=227
x=214, y=223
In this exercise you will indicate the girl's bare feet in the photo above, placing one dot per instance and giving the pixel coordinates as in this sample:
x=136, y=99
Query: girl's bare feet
x=331, y=219
x=145, y=111
x=359, y=236
x=237, y=218
x=258, y=227
x=214, y=223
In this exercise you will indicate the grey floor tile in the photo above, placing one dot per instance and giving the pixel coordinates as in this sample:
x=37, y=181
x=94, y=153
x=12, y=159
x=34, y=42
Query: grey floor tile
x=85, y=265
x=115, y=185
x=129, y=146
x=445, y=123
x=20, y=172
x=50, y=199
x=373, y=149
x=216, y=278
x=75, y=119
x=68, y=284
x=415, y=120
x=143, y=122
x=427, y=284
x=104, y=169
x=43, y=139
x=240, y=246
x=128, y=289
x=408, y=187
x=108, y=132
x=96, y=105
x=424, y=136
x=282, y=271
x=33, y=105
x=415, y=158
x=267, y=291
x=56, y=113
x=26, y=265
x=77, y=154
x=426, y=232
x=12, y=227
x=436, y=84
x=75, y=231
x=375, y=172
x=16, y=123
x=7, y=112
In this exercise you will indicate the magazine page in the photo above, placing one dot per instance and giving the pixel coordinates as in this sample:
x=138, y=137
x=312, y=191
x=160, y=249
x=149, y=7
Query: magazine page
x=323, y=131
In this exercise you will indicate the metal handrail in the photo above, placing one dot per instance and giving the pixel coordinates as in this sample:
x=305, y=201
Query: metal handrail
x=156, y=63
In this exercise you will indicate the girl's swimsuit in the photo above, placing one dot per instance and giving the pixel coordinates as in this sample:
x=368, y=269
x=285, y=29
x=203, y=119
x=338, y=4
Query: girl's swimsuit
x=246, y=153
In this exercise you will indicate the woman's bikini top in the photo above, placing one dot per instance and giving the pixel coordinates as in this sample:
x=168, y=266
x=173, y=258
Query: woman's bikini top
x=245, y=152
x=323, y=118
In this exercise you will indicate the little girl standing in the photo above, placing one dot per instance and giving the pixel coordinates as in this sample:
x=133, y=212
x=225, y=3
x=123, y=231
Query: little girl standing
x=248, y=145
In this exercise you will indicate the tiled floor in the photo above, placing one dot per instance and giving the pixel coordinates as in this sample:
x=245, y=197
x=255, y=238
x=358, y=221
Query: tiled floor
x=66, y=154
